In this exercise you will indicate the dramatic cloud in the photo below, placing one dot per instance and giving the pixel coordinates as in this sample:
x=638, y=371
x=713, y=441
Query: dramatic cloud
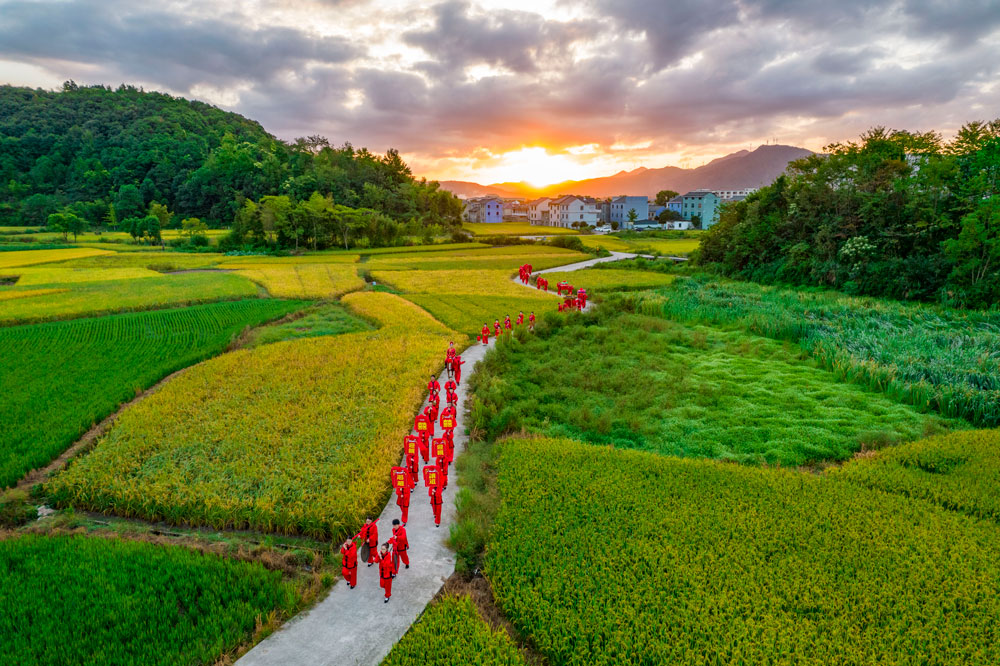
x=464, y=88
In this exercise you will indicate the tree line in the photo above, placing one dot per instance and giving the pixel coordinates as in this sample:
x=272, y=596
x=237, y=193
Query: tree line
x=899, y=214
x=93, y=157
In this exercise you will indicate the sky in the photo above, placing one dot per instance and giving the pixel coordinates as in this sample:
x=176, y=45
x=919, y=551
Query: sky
x=534, y=90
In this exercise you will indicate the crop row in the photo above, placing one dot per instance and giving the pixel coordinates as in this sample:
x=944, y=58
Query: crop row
x=304, y=280
x=32, y=257
x=468, y=312
x=65, y=376
x=604, y=556
x=79, y=600
x=291, y=437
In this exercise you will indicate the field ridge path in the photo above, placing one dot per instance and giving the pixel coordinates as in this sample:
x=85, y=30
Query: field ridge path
x=355, y=627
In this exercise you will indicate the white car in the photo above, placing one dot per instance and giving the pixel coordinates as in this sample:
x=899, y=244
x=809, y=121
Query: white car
x=603, y=229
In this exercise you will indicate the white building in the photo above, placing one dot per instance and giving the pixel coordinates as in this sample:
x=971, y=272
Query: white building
x=538, y=211
x=733, y=194
x=569, y=210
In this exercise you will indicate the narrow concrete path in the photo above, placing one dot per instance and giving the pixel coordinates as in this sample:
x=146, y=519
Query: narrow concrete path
x=354, y=627
x=615, y=256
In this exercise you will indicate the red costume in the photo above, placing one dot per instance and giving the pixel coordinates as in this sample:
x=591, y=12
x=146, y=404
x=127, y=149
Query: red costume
x=386, y=570
x=520, y=318
x=403, y=502
x=486, y=334
x=531, y=321
x=369, y=533
x=349, y=563
x=433, y=386
x=400, y=544
x=496, y=328
x=436, y=502
x=506, y=323
x=458, y=362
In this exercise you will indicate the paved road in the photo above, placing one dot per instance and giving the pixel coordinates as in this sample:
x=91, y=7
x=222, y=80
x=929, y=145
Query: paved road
x=351, y=627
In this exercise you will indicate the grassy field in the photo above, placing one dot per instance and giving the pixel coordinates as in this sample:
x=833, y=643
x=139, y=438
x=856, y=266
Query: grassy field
x=291, y=437
x=318, y=321
x=79, y=600
x=606, y=279
x=54, y=274
x=642, y=382
x=70, y=375
x=539, y=259
x=317, y=258
x=959, y=471
x=152, y=260
x=319, y=281
x=514, y=229
x=603, y=556
x=105, y=297
x=946, y=360
x=34, y=257
x=451, y=632
x=464, y=282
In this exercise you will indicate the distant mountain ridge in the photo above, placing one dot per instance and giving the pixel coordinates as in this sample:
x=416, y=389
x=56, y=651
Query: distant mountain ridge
x=737, y=170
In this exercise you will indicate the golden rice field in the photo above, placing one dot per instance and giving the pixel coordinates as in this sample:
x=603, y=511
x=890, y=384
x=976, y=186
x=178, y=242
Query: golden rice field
x=291, y=437
x=514, y=229
x=304, y=280
x=144, y=258
x=28, y=293
x=671, y=246
x=33, y=257
x=319, y=258
x=50, y=274
x=390, y=312
x=469, y=282
x=598, y=279
x=104, y=297
x=485, y=261
x=468, y=312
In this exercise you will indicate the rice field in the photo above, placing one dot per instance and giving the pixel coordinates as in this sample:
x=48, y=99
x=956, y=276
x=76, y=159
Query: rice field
x=665, y=246
x=464, y=282
x=55, y=274
x=933, y=358
x=35, y=257
x=514, y=229
x=317, y=258
x=112, y=296
x=65, y=376
x=144, y=258
x=602, y=556
x=319, y=281
x=640, y=382
x=539, y=259
x=468, y=313
x=290, y=437
x=80, y=600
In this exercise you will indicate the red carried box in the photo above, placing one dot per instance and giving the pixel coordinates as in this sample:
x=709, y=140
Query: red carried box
x=398, y=476
x=432, y=476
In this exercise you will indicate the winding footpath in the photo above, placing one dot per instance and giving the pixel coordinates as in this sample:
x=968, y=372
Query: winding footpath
x=354, y=627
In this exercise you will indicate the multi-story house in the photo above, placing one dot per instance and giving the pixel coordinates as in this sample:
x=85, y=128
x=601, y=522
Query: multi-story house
x=620, y=207
x=538, y=211
x=735, y=194
x=568, y=210
x=701, y=204
x=483, y=209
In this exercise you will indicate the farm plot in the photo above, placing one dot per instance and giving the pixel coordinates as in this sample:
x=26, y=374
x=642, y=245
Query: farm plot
x=109, y=296
x=320, y=320
x=163, y=262
x=466, y=282
x=322, y=281
x=50, y=274
x=316, y=258
x=293, y=437
x=79, y=600
x=484, y=260
x=606, y=279
x=515, y=229
x=642, y=382
x=34, y=257
x=959, y=471
x=935, y=358
x=65, y=376
x=466, y=312
x=451, y=632
x=640, y=245
x=604, y=556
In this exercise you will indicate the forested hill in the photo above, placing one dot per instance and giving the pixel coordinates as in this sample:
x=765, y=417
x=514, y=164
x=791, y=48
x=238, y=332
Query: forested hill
x=87, y=147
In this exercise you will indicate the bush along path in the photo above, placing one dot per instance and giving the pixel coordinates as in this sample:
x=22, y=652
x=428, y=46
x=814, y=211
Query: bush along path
x=354, y=626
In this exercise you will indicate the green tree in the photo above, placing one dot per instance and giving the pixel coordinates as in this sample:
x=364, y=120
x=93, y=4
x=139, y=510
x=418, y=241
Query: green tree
x=161, y=213
x=151, y=225
x=67, y=222
x=128, y=202
x=975, y=254
x=663, y=196
x=112, y=217
x=192, y=226
x=632, y=217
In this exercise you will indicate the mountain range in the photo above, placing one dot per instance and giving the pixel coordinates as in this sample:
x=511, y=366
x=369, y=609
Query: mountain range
x=734, y=171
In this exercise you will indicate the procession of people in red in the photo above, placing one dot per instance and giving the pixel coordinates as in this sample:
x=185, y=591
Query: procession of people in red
x=424, y=445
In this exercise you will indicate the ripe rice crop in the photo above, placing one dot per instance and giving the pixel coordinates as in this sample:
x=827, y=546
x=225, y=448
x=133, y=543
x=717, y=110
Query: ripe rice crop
x=450, y=632
x=292, y=437
x=80, y=600
x=70, y=375
x=467, y=313
x=93, y=298
x=394, y=313
x=603, y=556
x=467, y=282
x=319, y=320
x=31, y=293
x=53, y=275
x=393, y=262
x=408, y=249
x=605, y=279
x=318, y=258
x=515, y=229
x=640, y=245
x=32, y=257
x=934, y=358
x=304, y=280
x=633, y=381
x=959, y=471
x=142, y=257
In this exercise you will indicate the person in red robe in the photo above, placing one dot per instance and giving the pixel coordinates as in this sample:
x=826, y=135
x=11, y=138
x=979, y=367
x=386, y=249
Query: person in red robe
x=369, y=533
x=520, y=318
x=399, y=542
x=349, y=562
x=403, y=501
x=531, y=321
x=496, y=327
x=485, y=337
x=386, y=570
x=433, y=386
x=436, y=502
x=458, y=362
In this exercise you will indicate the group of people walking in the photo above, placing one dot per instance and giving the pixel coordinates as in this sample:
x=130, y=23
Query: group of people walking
x=421, y=445
x=507, y=327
